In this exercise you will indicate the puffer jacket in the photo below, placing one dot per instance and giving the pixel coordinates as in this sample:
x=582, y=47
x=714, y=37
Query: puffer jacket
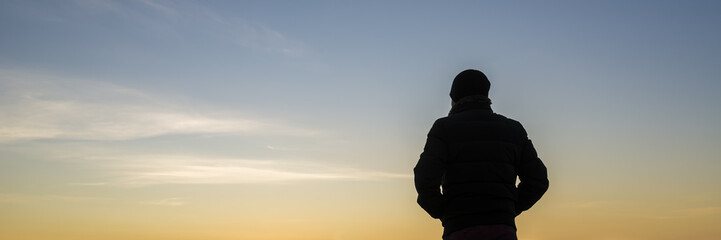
x=466, y=175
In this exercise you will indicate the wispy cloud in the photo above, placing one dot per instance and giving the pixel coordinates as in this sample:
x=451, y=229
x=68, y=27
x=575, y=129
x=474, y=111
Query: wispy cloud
x=89, y=184
x=170, y=202
x=96, y=6
x=172, y=169
x=45, y=107
x=27, y=198
x=263, y=38
x=17, y=198
x=648, y=211
x=593, y=204
x=244, y=33
x=157, y=5
x=172, y=15
x=702, y=211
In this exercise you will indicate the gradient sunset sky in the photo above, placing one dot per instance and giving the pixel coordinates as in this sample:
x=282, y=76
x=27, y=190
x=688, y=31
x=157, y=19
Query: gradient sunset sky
x=302, y=120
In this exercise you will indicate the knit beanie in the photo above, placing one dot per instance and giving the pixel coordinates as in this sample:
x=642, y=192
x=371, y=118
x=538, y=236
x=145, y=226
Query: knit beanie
x=469, y=82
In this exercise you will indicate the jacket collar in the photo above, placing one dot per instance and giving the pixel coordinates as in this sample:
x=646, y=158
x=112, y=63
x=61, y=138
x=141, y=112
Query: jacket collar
x=473, y=102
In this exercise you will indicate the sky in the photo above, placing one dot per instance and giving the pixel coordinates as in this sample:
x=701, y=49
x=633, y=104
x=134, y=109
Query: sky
x=302, y=120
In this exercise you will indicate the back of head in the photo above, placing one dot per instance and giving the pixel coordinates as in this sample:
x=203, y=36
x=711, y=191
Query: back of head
x=469, y=82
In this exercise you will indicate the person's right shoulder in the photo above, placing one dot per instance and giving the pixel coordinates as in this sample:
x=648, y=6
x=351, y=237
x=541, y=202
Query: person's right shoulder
x=441, y=121
x=439, y=126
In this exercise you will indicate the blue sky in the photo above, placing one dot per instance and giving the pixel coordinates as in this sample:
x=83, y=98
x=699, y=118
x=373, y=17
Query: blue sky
x=157, y=93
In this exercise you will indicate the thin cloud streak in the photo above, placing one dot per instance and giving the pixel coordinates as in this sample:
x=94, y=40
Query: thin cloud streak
x=172, y=169
x=230, y=29
x=266, y=39
x=702, y=211
x=44, y=107
x=170, y=202
x=89, y=184
x=28, y=198
x=160, y=7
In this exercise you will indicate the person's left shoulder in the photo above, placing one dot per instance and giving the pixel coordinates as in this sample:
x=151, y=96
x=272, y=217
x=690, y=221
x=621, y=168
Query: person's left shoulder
x=512, y=122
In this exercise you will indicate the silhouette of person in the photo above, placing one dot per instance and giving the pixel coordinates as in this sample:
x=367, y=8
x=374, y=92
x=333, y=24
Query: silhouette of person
x=466, y=175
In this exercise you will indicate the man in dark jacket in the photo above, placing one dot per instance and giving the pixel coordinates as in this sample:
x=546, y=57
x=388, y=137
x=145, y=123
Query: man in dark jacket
x=466, y=175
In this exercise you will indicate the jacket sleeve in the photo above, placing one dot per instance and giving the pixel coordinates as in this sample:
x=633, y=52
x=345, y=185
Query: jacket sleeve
x=532, y=175
x=429, y=172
